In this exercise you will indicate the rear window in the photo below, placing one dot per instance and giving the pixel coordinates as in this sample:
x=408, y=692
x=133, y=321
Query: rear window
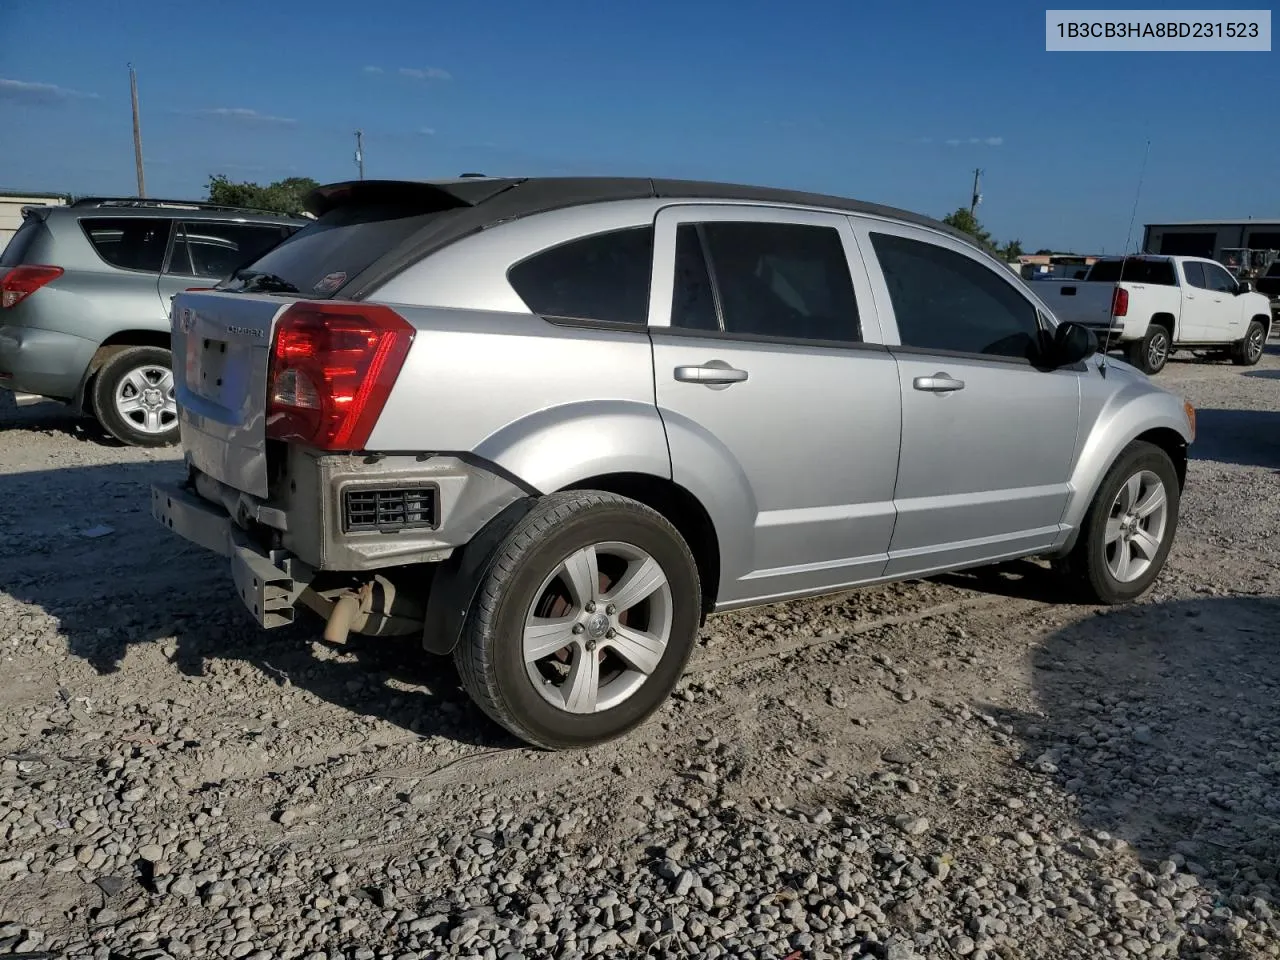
x=320, y=258
x=131, y=243
x=15, y=252
x=1136, y=270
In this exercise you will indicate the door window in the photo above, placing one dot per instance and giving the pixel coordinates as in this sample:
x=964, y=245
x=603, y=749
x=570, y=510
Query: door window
x=213, y=250
x=948, y=302
x=1219, y=280
x=1195, y=274
x=133, y=243
x=763, y=279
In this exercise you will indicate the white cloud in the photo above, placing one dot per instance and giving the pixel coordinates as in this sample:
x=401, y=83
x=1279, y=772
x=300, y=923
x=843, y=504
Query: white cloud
x=243, y=114
x=429, y=73
x=428, y=131
x=974, y=141
x=374, y=70
x=24, y=91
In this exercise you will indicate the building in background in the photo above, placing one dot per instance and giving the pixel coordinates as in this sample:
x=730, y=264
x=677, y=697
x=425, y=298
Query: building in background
x=11, y=204
x=1209, y=238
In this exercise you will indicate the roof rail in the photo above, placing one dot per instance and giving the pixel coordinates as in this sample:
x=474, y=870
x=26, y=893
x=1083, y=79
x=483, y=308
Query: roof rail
x=153, y=202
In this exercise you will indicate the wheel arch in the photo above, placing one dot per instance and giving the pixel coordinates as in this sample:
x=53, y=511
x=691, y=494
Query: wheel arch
x=681, y=509
x=118, y=341
x=1146, y=418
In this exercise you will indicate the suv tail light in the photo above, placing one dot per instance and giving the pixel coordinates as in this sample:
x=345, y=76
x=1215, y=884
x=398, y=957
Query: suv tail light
x=332, y=368
x=20, y=282
x=1120, y=302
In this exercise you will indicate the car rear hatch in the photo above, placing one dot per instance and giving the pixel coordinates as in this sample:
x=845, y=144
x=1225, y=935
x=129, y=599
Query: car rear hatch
x=223, y=338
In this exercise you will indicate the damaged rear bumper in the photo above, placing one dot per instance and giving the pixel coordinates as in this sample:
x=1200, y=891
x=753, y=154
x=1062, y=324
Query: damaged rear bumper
x=269, y=582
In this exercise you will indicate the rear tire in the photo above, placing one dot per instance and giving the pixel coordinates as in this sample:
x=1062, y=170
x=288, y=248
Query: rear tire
x=1129, y=528
x=544, y=652
x=133, y=397
x=1151, y=353
x=1249, y=349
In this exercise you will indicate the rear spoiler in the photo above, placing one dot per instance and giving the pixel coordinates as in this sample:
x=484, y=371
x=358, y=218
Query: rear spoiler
x=426, y=195
x=38, y=210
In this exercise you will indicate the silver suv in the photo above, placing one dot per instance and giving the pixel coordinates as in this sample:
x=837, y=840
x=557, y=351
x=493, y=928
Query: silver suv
x=84, y=301
x=549, y=425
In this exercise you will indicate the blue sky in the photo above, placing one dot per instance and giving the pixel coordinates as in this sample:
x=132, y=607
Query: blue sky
x=891, y=102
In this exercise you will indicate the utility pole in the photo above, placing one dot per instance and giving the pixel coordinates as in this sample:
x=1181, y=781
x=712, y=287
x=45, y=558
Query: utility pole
x=137, y=132
x=360, y=152
x=977, y=197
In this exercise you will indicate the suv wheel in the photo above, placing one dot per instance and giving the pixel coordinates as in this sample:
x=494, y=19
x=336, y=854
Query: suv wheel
x=133, y=397
x=1151, y=353
x=1129, y=528
x=584, y=619
x=1248, y=351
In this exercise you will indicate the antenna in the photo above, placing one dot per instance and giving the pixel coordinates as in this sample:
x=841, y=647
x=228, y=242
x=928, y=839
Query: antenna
x=1124, y=257
x=137, y=132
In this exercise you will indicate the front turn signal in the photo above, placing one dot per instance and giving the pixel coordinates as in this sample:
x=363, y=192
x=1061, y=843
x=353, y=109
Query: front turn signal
x=1190, y=411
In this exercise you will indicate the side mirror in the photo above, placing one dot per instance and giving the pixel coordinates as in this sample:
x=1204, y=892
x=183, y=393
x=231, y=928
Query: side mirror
x=1244, y=287
x=1073, y=342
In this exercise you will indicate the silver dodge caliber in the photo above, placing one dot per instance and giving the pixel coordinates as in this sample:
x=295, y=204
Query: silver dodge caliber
x=550, y=425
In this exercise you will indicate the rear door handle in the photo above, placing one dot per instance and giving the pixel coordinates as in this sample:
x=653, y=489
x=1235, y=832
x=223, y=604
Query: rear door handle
x=938, y=383
x=710, y=373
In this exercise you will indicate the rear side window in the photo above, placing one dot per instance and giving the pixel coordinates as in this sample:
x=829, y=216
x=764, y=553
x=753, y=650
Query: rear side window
x=321, y=257
x=946, y=301
x=215, y=250
x=1136, y=270
x=132, y=243
x=1195, y=274
x=602, y=277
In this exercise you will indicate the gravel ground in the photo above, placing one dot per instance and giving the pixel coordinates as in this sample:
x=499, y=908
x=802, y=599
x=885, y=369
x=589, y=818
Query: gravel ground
x=964, y=767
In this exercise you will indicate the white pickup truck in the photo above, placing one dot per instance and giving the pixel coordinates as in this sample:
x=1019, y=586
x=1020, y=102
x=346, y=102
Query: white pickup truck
x=1152, y=305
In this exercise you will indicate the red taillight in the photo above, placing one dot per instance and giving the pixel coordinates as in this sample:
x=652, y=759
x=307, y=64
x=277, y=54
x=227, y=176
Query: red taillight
x=21, y=282
x=332, y=367
x=1120, y=302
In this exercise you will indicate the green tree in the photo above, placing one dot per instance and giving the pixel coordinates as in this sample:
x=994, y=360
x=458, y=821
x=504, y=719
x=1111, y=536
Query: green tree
x=283, y=196
x=966, y=222
x=1012, y=250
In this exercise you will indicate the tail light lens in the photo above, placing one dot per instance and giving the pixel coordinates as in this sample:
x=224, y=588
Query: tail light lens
x=332, y=368
x=1120, y=302
x=21, y=282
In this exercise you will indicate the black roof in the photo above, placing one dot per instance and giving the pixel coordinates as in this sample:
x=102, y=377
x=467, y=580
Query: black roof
x=476, y=203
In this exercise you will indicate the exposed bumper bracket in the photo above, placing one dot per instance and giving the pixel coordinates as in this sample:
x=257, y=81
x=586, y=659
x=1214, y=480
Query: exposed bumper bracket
x=269, y=583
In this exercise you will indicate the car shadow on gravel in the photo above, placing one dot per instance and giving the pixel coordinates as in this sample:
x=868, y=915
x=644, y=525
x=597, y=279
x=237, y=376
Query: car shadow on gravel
x=79, y=543
x=1248, y=438
x=1162, y=722
x=51, y=417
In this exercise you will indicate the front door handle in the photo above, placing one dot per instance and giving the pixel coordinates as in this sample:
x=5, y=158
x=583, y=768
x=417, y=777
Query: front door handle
x=938, y=383
x=710, y=373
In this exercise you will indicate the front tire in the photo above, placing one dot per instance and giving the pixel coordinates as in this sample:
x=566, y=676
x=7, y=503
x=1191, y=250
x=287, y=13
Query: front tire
x=1151, y=353
x=584, y=620
x=133, y=397
x=1248, y=350
x=1129, y=528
